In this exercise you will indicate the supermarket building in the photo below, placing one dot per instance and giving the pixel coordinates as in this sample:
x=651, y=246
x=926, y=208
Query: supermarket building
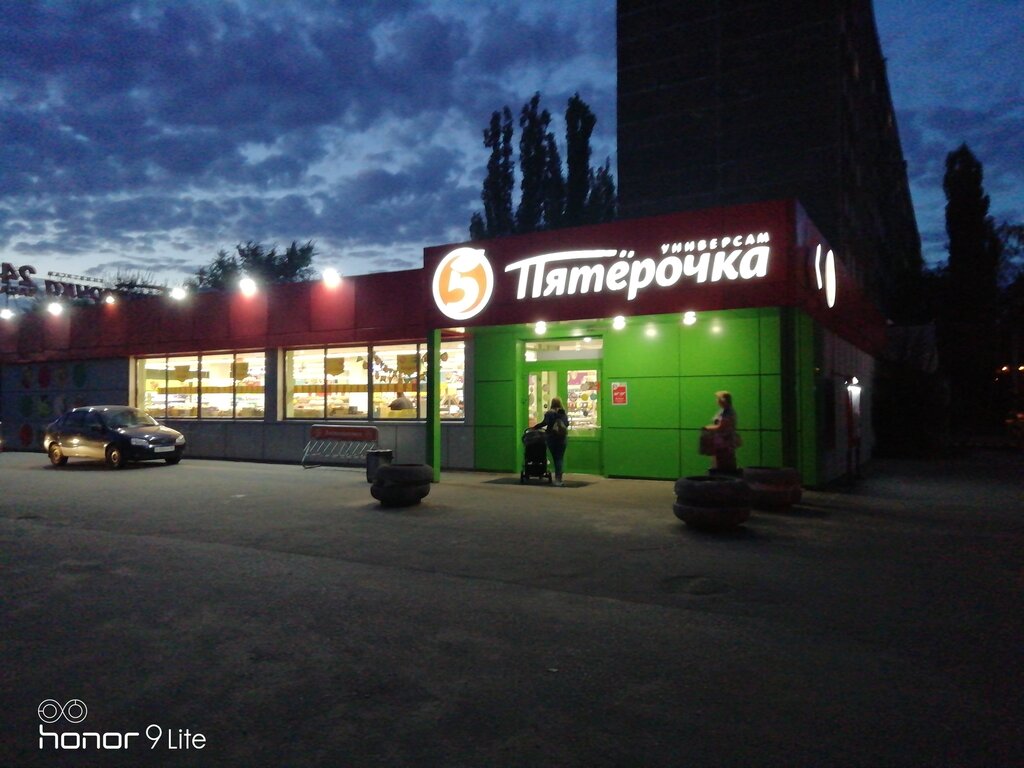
x=634, y=324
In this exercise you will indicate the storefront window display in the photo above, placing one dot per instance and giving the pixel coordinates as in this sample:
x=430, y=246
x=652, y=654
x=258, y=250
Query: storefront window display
x=389, y=381
x=219, y=386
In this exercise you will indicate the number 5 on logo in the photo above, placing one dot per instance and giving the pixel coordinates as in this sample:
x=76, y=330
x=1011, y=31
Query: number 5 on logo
x=463, y=283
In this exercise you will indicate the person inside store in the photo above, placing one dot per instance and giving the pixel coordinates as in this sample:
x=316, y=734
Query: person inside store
x=401, y=402
x=724, y=438
x=556, y=427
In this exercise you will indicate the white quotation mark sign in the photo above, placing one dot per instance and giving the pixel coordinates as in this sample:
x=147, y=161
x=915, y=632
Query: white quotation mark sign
x=828, y=280
x=463, y=283
x=74, y=711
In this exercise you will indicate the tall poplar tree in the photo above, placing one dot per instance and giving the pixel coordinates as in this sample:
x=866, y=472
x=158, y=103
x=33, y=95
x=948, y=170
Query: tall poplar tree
x=967, y=322
x=579, y=126
x=497, y=189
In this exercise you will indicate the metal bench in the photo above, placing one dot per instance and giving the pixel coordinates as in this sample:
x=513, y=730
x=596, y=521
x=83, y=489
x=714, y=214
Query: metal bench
x=337, y=444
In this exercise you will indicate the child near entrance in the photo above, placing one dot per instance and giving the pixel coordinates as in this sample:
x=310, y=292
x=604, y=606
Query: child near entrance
x=556, y=425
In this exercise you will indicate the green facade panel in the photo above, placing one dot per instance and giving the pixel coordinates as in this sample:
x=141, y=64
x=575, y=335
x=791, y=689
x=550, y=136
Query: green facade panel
x=651, y=403
x=671, y=372
x=650, y=453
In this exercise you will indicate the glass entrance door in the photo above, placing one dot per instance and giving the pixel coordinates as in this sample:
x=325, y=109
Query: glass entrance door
x=571, y=372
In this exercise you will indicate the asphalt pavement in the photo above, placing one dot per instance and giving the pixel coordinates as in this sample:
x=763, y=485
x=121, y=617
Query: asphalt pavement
x=239, y=614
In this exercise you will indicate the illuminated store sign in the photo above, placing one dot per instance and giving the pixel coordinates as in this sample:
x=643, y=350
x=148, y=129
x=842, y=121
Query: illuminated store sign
x=826, y=281
x=464, y=280
x=19, y=281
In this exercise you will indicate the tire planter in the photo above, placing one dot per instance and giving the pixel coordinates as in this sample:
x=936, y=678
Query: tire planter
x=399, y=495
x=712, y=502
x=774, y=488
x=401, y=485
x=404, y=474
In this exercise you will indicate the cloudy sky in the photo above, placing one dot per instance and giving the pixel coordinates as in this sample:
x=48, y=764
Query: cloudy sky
x=147, y=135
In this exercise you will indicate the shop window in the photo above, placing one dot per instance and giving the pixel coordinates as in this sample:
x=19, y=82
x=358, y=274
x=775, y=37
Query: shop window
x=396, y=382
x=346, y=371
x=583, y=400
x=453, y=380
x=220, y=386
x=305, y=395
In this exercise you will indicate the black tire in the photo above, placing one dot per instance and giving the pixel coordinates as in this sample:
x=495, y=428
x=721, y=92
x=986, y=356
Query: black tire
x=712, y=491
x=57, y=457
x=404, y=474
x=712, y=518
x=114, y=457
x=774, y=487
x=173, y=459
x=399, y=495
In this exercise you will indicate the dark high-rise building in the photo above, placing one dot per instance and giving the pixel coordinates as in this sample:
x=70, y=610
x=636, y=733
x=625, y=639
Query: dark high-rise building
x=732, y=101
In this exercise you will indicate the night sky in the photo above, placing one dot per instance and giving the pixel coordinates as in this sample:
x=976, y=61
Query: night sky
x=146, y=136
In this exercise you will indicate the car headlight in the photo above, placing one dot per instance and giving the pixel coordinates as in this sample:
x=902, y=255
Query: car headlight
x=139, y=441
x=179, y=440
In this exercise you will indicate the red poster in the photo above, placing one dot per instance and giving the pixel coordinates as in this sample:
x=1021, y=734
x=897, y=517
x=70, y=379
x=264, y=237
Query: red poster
x=619, y=396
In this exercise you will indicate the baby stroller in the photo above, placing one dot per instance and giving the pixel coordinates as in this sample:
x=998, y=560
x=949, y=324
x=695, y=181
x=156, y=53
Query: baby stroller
x=535, y=455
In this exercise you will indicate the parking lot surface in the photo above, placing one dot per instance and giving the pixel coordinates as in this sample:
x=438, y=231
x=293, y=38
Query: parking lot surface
x=288, y=619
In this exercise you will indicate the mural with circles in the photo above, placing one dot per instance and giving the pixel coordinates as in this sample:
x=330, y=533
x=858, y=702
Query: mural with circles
x=34, y=394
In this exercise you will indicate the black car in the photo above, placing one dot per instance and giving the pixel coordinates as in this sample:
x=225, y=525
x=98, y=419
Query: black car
x=111, y=433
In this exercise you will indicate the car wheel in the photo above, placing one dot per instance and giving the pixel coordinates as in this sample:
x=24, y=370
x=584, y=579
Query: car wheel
x=57, y=457
x=115, y=457
x=404, y=474
x=173, y=459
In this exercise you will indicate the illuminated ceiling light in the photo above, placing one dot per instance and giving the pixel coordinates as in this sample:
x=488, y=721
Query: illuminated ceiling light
x=1020, y=367
x=55, y=308
x=178, y=293
x=540, y=328
x=651, y=331
x=588, y=339
x=109, y=299
x=1005, y=368
x=716, y=328
x=248, y=286
x=689, y=318
x=618, y=322
x=6, y=314
x=332, y=278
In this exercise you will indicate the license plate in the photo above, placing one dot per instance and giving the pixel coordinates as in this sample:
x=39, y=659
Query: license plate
x=163, y=449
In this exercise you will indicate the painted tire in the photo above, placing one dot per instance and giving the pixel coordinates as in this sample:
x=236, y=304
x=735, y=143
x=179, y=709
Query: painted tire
x=712, y=491
x=399, y=495
x=404, y=474
x=712, y=518
x=774, y=487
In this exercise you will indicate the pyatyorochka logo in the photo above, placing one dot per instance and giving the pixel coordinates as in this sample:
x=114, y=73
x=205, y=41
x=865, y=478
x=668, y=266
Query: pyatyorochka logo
x=463, y=283
x=826, y=282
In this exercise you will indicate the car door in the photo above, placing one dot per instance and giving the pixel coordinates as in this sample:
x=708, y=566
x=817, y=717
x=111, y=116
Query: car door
x=94, y=437
x=69, y=434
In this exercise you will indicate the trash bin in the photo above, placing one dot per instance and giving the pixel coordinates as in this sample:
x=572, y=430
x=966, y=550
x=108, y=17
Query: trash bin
x=373, y=461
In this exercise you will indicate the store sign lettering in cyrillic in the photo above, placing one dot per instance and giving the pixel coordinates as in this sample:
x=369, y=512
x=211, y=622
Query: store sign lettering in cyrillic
x=568, y=273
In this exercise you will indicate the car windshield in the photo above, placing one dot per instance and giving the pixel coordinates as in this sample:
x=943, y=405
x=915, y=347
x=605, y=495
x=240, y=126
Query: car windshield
x=128, y=418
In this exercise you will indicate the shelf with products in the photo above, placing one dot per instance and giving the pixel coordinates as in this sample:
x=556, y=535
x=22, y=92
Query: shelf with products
x=582, y=405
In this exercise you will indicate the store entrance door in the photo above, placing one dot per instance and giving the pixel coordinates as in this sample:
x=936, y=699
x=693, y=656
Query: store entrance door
x=575, y=381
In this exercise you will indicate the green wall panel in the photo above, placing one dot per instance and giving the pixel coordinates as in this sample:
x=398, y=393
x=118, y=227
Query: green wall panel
x=720, y=344
x=497, y=449
x=650, y=453
x=771, y=402
x=494, y=354
x=652, y=402
x=632, y=351
x=771, y=449
x=698, y=405
x=692, y=462
x=583, y=456
x=495, y=403
x=771, y=326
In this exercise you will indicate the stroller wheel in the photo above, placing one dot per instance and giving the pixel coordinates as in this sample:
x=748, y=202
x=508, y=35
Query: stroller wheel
x=522, y=477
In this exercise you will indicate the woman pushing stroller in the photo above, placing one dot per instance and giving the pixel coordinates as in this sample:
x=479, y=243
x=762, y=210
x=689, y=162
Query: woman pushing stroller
x=556, y=427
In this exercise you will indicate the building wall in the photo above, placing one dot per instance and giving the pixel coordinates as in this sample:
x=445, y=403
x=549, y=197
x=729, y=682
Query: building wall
x=732, y=101
x=671, y=375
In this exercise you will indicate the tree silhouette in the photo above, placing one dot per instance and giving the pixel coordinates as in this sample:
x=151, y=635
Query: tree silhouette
x=254, y=260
